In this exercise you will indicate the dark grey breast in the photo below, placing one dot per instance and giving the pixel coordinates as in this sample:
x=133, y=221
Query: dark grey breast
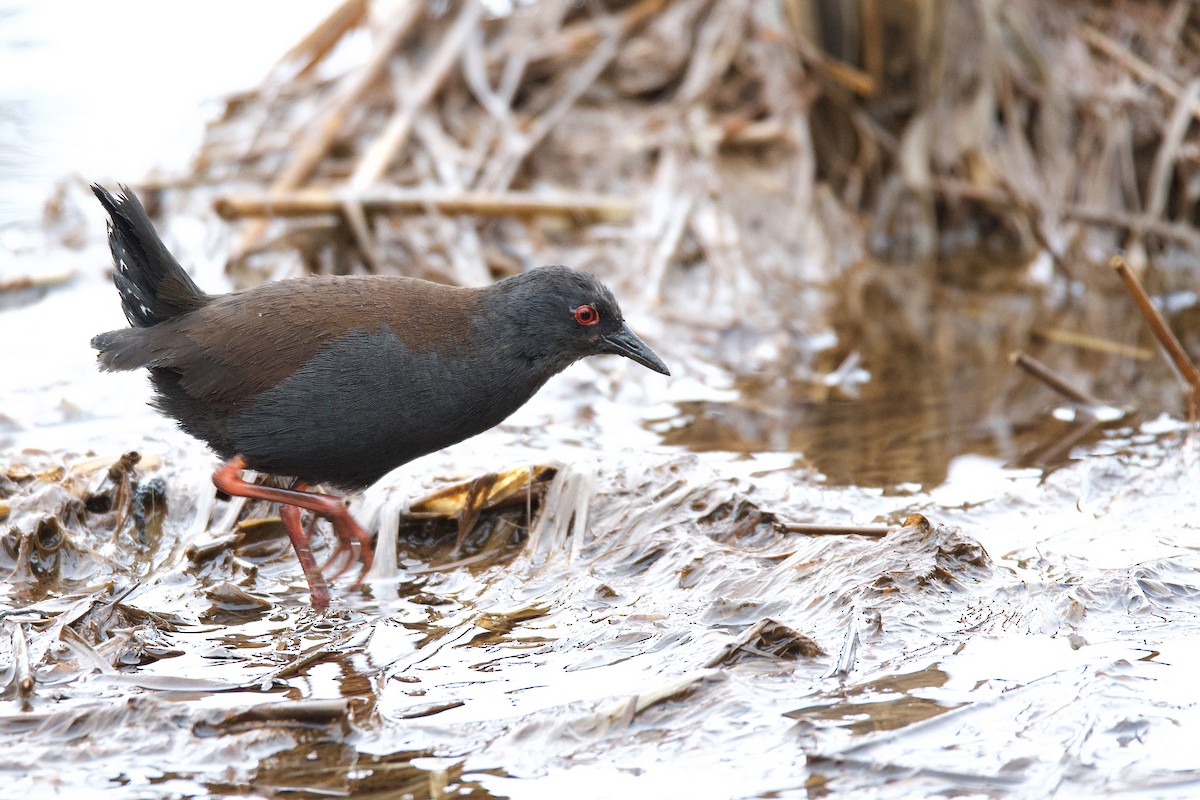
x=332, y=380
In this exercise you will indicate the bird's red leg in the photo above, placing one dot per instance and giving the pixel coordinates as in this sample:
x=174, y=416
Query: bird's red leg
x=350, y=534
x=302, y=543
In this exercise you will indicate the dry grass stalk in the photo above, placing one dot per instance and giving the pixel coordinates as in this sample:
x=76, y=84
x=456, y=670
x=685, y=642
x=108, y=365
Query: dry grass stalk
x=307, y=202
x=1158, y=325
x=817, y=529
x=1052, y=379
x=1094, y=343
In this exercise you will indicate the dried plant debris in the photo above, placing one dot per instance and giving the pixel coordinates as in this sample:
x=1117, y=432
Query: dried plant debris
x=769, y=640
x=69, y=523
x=516, y=486
x=491, y=516
x=686, y=613
x=464, y=502
x=977, y=128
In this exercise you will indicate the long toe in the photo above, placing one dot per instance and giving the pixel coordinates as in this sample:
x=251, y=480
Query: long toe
x=366, y=557
x=351, y=536
x=342, y=558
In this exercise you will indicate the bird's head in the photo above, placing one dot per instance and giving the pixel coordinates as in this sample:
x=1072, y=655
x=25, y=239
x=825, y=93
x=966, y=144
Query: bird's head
x=563, y=315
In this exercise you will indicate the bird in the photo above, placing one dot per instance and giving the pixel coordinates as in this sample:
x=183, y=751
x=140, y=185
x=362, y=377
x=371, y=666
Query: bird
x=337, y=380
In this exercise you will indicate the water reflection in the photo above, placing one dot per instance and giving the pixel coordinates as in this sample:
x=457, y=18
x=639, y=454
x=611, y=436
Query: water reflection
x=904, y=441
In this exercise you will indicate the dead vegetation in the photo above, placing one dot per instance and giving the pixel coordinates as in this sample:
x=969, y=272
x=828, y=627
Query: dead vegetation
x=736, y=163
x=758, y=143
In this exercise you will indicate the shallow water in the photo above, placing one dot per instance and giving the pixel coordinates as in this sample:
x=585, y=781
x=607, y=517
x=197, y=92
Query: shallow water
x=653, y=629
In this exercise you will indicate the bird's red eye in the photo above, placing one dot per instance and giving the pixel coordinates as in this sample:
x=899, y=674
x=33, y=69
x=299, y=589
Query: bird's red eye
x=587, y=315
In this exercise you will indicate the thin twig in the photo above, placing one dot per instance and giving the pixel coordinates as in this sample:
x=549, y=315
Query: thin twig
x=1094, y=343
x=1055, y=452
x=382, y=152
x=356, y=220
x=297, y=64
x=835, y=70
x=816, y=529
x=1163, y=169
x=198, y=552
x=1165, y=158
x=307, y=202
x=305, y=713
x=1157, y=324
x=306, y=54
x=35, y=281
x=1052, y=379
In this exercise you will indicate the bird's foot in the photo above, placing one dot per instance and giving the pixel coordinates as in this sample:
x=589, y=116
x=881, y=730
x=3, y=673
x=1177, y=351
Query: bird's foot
x=354, y=543
x=301, y=538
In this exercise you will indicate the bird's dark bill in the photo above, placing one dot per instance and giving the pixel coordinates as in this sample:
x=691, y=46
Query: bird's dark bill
x=626, y=343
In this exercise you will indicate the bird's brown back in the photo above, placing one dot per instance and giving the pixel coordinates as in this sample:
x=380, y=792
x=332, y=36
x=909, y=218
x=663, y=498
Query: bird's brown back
x=241, y=344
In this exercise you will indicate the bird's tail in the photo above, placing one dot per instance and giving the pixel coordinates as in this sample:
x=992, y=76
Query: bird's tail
x=153, y=287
